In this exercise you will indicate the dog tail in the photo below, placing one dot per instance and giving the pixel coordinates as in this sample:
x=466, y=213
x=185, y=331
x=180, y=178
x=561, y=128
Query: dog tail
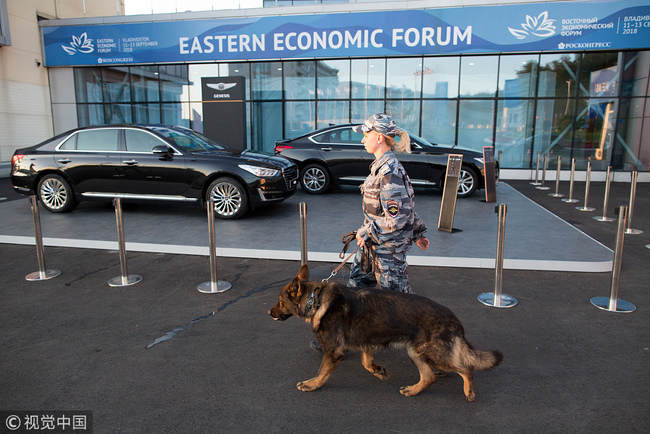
x=486, y=360
x=478, y=359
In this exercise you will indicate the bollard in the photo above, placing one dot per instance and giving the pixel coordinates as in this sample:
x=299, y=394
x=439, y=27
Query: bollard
x=125, y=279
x=613, y=304
x=214, y=286
x=604, y=217
x=536, y=171
x=497, y=299
x=541, y=187
x=557, y=179
x=43, y=273
x=302, y=208
x=629, y=229
x=573, y=172
x=586, y=208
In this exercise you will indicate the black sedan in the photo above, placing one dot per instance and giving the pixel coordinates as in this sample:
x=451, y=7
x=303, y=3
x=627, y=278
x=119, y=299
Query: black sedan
x=149, y=162
x=335, y=154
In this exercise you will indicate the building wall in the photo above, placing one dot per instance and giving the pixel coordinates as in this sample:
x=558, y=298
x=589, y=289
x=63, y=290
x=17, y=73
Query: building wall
x=44, y=103
x=33, y=110
x=26, y=111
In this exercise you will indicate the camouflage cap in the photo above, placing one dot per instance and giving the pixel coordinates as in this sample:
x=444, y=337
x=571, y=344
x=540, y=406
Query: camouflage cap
x=380, y=122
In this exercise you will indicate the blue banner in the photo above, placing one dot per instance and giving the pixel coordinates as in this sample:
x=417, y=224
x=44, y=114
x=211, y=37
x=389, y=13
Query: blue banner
x=559, y=26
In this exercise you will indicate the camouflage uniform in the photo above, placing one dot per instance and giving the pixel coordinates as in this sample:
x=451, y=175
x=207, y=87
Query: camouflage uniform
x=390, y=226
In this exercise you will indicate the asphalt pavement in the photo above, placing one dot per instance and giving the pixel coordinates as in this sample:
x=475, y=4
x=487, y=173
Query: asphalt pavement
x=161, y=357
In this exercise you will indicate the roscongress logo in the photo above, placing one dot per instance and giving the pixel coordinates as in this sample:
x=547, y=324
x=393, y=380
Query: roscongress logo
x=538, y=26
x=80, y=44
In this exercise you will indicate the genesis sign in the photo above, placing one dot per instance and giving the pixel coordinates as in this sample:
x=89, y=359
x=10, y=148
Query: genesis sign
x=556, y=26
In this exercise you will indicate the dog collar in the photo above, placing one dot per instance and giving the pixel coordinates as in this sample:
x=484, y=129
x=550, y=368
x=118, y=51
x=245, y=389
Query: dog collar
x=310, y=303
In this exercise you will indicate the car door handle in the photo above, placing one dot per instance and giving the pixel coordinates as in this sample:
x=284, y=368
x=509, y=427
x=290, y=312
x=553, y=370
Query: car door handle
x=64, y=160
x=326, y=149
x=130, y=162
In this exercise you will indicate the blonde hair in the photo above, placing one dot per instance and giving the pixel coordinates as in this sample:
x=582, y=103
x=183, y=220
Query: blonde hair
x=404, y=143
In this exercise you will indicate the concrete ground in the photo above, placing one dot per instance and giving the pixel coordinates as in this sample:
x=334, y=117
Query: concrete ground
x=161, y=357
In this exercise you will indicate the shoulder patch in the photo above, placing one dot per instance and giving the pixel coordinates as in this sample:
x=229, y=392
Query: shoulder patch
x=393, y=208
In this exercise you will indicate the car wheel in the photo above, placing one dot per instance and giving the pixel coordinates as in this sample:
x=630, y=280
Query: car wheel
x=229, y=198
x=314, y=179
x=55, y=194
x=467, y=182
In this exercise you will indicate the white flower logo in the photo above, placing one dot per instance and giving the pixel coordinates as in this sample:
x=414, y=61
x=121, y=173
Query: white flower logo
x=538, y=26
x=82, y=44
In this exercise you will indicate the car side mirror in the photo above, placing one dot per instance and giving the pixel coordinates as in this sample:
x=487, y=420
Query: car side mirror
x=163, y=151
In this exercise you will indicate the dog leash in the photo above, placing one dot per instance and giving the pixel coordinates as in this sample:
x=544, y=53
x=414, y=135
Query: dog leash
x=337, y=269
x=365, y=263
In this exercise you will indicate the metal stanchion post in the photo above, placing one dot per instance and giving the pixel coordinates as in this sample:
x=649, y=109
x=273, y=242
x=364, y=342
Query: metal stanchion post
x=613, y=304
x=585, y=207
x=496, y=298
x=43, y=273
x=214, y=286
x=302, y=208
x=542, y=187
x=573, y=171
x=629, y=229
x=125, y=279
x=536, y=171
x=557, y=178
x=499, y=160
x=604, y=217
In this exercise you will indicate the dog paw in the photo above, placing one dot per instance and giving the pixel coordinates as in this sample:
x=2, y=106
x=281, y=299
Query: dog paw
x=381, y=373
x=409, y=390
x=307, y=386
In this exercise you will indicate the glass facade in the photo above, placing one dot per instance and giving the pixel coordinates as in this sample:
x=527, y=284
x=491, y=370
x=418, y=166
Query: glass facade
x=140, y=94
x=589, y=106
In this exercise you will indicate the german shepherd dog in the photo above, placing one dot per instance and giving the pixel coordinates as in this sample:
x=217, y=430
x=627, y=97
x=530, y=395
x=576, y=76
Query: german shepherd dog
x=365, y=320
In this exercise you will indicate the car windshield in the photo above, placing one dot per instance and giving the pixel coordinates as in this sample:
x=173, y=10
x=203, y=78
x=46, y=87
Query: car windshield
x=190, y=141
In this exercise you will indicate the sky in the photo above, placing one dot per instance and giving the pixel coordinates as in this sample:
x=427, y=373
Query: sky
x=137, y=7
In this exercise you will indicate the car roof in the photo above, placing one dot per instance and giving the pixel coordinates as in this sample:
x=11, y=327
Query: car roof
x=143, y=126
x=419, y=139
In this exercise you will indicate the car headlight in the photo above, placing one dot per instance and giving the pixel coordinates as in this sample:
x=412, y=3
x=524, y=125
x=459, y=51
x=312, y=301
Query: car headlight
x=260, y=172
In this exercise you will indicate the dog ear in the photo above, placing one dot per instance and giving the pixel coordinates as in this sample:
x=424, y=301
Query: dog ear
x=294, y=287
x=304, y=273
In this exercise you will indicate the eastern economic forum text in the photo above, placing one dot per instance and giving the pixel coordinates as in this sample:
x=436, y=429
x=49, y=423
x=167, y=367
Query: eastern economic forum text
x=426, y=36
